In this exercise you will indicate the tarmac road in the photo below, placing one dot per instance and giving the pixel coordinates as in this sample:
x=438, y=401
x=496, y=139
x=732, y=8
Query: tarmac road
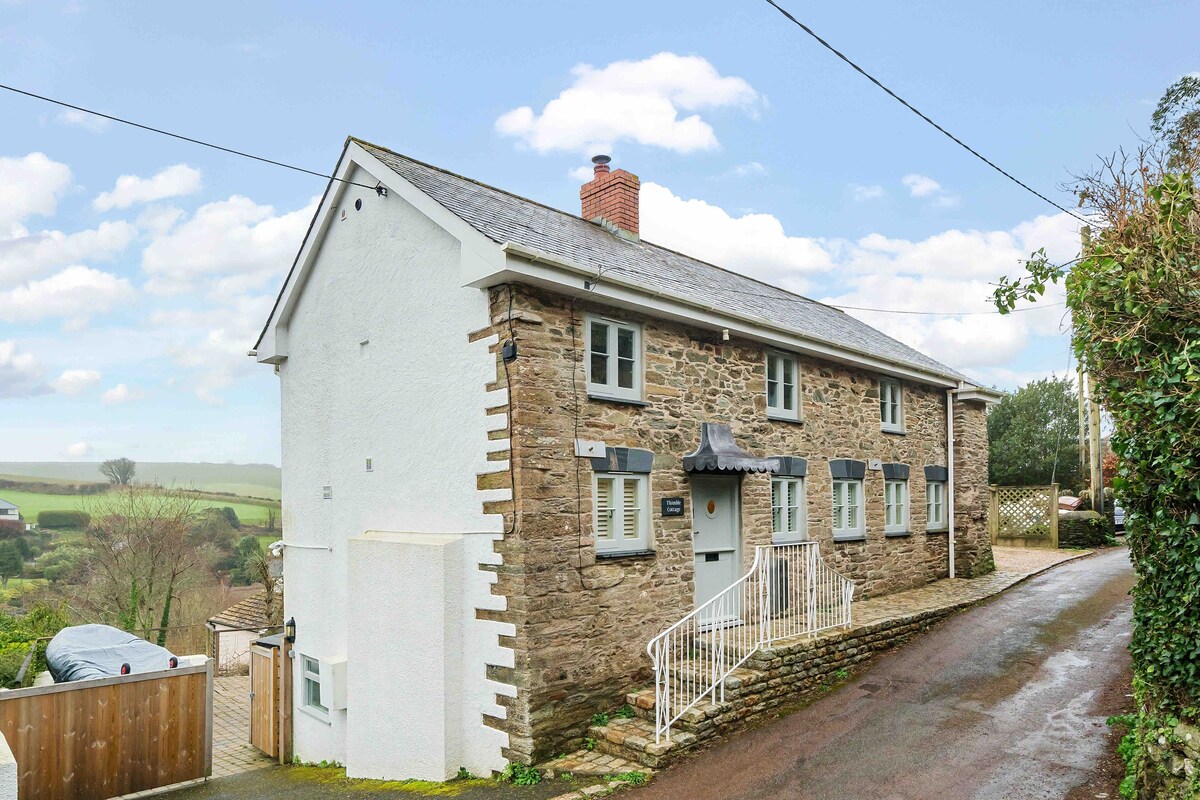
x=1005, y=701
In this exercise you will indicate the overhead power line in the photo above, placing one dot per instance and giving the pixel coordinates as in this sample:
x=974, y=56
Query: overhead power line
x=182, y=138
x=920, y=114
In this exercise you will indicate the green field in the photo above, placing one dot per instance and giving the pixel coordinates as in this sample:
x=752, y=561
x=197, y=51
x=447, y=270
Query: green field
x=31, y=503
x=249, y=480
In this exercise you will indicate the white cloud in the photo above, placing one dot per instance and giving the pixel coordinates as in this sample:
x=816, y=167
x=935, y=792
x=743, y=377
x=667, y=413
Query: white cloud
x=78, y=450
x=211, y=344
x=753, y=244
x=81, y=119
x=229, y=247
x=27, y=255
x=76, y=293
x=954, y=271
x=74, y=382
x=921, y=185
x=174, y=181
x=30, y=185
x=747, y=170
x=20, y=375
x=861, y=193
x=638, y=101
x=121, y=394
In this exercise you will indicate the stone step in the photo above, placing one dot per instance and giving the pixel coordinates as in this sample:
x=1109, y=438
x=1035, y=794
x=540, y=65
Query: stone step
x=633, y=740
x=692, y=721
x=592, y=763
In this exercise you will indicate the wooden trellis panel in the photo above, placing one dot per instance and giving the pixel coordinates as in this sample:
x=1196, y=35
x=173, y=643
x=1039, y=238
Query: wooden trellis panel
x=1024, y=516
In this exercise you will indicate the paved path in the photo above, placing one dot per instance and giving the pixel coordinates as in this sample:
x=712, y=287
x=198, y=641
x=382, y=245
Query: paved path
x=1001, y=702
x=232, y=752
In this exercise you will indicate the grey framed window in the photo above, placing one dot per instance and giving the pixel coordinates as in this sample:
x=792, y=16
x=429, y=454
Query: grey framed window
x=891, y=405
x=783, y=386
x=614, y=358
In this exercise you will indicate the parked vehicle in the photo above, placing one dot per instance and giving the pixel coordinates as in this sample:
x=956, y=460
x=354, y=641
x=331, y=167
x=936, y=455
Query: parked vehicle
x=1118, y=519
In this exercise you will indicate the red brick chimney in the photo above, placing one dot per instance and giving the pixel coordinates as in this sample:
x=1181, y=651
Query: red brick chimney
x=611, y=199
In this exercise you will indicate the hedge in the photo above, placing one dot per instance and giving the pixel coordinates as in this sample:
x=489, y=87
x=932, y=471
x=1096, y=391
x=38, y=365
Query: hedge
x=63, y=519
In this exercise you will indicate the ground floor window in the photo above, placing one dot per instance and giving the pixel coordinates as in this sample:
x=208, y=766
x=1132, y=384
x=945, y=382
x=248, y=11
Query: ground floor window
x=935, y=505
x=788, y=520
x=847, y=509
x=895, y=507
x=311, y=678
x=621, y=513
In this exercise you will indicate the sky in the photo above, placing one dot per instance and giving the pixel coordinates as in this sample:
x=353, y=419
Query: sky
x=136, y=270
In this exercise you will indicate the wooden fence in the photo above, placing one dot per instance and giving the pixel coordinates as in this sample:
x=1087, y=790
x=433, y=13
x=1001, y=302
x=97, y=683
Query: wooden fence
x=1024, y=516
x=97, y=739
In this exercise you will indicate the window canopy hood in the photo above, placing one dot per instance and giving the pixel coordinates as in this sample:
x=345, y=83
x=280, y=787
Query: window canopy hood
x=718, y=453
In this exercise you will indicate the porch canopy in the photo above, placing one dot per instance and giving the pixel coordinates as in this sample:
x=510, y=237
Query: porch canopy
x=719, y=453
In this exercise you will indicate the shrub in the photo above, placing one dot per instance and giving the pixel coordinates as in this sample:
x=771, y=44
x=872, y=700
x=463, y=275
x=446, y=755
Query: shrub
x=60, y=519
x=11, y=528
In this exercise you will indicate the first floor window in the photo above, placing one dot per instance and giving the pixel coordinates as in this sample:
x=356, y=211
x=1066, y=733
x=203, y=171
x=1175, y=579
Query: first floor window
x=788, y=523
x=935, y=505
x=614, y=360
x=847, y=508
x=782, y=379
x=621, y=513
x=891, y=406
x=895, y=507
x=312, y=685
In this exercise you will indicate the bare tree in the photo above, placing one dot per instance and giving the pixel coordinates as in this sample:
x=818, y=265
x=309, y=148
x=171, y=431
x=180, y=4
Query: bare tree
x=142, y=557
x=119, y=470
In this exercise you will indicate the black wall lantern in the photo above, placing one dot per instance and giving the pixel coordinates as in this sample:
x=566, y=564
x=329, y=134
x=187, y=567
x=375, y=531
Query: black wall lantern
x=289, y=631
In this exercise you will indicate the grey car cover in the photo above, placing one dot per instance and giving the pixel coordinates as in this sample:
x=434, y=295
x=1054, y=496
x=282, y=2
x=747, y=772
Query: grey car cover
x=99, y=651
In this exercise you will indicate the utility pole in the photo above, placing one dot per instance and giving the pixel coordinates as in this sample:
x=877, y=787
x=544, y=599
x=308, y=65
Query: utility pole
x=1092, y=460
x=1080, y=388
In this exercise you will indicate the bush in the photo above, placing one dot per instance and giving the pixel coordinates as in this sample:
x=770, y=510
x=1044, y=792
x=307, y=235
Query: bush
x=11, y=528
x=63, y=519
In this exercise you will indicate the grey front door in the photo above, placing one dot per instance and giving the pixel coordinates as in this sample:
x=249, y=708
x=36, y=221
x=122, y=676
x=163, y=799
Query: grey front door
x=716, y=541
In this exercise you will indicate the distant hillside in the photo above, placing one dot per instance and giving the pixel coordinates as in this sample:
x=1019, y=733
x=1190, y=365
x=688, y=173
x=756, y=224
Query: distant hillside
x=250, y=480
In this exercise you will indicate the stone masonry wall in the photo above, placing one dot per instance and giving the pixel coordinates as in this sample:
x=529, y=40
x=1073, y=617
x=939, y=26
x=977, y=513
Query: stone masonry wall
x=583, y=623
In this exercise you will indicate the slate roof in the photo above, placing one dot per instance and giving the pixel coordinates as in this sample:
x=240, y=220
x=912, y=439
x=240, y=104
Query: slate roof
x=6, y=504
x=249, y=613
x=505, y=217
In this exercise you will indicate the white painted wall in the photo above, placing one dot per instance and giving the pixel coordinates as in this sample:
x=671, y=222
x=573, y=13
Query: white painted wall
x=412, y=400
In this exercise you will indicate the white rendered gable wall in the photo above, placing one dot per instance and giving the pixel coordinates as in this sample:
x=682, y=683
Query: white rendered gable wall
x=379, y=367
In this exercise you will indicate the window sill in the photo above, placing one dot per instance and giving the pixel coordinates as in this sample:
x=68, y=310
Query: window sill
x=317, y=715
x=608, y=398
x=897, y=534
x=858, y=537
x=626, y=554
x=894, y=431
x=937, y=531
x=781, y=417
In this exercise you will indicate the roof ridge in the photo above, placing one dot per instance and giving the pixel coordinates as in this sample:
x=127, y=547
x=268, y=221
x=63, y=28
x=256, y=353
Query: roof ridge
x=507, y=193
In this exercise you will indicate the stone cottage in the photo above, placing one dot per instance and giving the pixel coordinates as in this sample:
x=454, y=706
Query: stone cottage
x=519, y=442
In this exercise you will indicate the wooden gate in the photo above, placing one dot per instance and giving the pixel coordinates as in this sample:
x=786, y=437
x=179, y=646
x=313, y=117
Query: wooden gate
x=95, y=739
x=1024, y=516
x=264, y=698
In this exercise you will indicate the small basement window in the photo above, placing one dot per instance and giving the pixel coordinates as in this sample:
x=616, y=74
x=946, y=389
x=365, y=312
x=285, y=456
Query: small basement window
x=311, y=687
x=621, y=513
x=614, y=359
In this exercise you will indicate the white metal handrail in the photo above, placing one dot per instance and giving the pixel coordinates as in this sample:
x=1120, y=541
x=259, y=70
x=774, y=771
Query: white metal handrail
x=788, y=591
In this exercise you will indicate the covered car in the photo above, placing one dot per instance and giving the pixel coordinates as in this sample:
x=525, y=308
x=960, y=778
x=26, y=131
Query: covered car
x=101, y=651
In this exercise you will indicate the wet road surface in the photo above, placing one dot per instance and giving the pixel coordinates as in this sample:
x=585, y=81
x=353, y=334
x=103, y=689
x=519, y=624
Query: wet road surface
x=1001, y=702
